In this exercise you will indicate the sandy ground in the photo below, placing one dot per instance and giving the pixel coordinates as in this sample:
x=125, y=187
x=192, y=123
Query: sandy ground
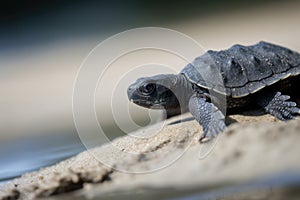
x=170, y=156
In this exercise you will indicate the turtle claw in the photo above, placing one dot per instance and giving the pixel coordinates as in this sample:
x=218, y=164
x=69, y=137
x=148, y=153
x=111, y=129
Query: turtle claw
x=204, y=139
x=209, y=116
x=278, y=106
x=214, y=127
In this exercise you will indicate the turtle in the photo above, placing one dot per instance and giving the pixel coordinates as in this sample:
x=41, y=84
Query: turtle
x=223, y=82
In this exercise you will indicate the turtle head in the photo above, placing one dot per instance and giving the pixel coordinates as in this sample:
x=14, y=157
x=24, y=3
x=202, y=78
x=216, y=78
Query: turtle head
x=156, y=92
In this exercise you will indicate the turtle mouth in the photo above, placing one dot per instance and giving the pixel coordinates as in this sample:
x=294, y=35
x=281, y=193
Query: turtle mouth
x=149, y=104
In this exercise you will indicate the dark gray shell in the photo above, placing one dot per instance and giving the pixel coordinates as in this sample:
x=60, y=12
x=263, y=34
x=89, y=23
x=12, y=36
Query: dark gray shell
x=241, y=70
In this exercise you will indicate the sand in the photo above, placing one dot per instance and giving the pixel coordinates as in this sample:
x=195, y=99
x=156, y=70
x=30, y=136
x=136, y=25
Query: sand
x=169, y=156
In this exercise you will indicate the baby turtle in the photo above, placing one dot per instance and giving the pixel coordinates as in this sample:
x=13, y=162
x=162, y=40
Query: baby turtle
x=232, y=80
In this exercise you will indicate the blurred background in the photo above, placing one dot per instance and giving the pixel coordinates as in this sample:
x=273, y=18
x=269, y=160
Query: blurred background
x=43, y=43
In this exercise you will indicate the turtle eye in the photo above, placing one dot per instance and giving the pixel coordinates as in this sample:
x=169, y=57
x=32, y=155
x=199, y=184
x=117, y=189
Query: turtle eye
x=147, y=88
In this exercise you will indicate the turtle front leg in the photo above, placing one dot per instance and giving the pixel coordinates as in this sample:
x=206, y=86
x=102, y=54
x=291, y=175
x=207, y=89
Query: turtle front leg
x=278, y=105
x=208, y=115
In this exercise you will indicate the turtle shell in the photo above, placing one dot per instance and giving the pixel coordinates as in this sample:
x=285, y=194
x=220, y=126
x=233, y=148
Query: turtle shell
x=241, y=70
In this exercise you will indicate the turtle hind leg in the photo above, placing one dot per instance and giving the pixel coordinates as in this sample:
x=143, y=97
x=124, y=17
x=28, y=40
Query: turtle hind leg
x=278, y=105
x=208, y=116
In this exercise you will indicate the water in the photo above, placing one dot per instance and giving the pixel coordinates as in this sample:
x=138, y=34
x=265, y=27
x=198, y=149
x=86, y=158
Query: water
x=24, y=155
